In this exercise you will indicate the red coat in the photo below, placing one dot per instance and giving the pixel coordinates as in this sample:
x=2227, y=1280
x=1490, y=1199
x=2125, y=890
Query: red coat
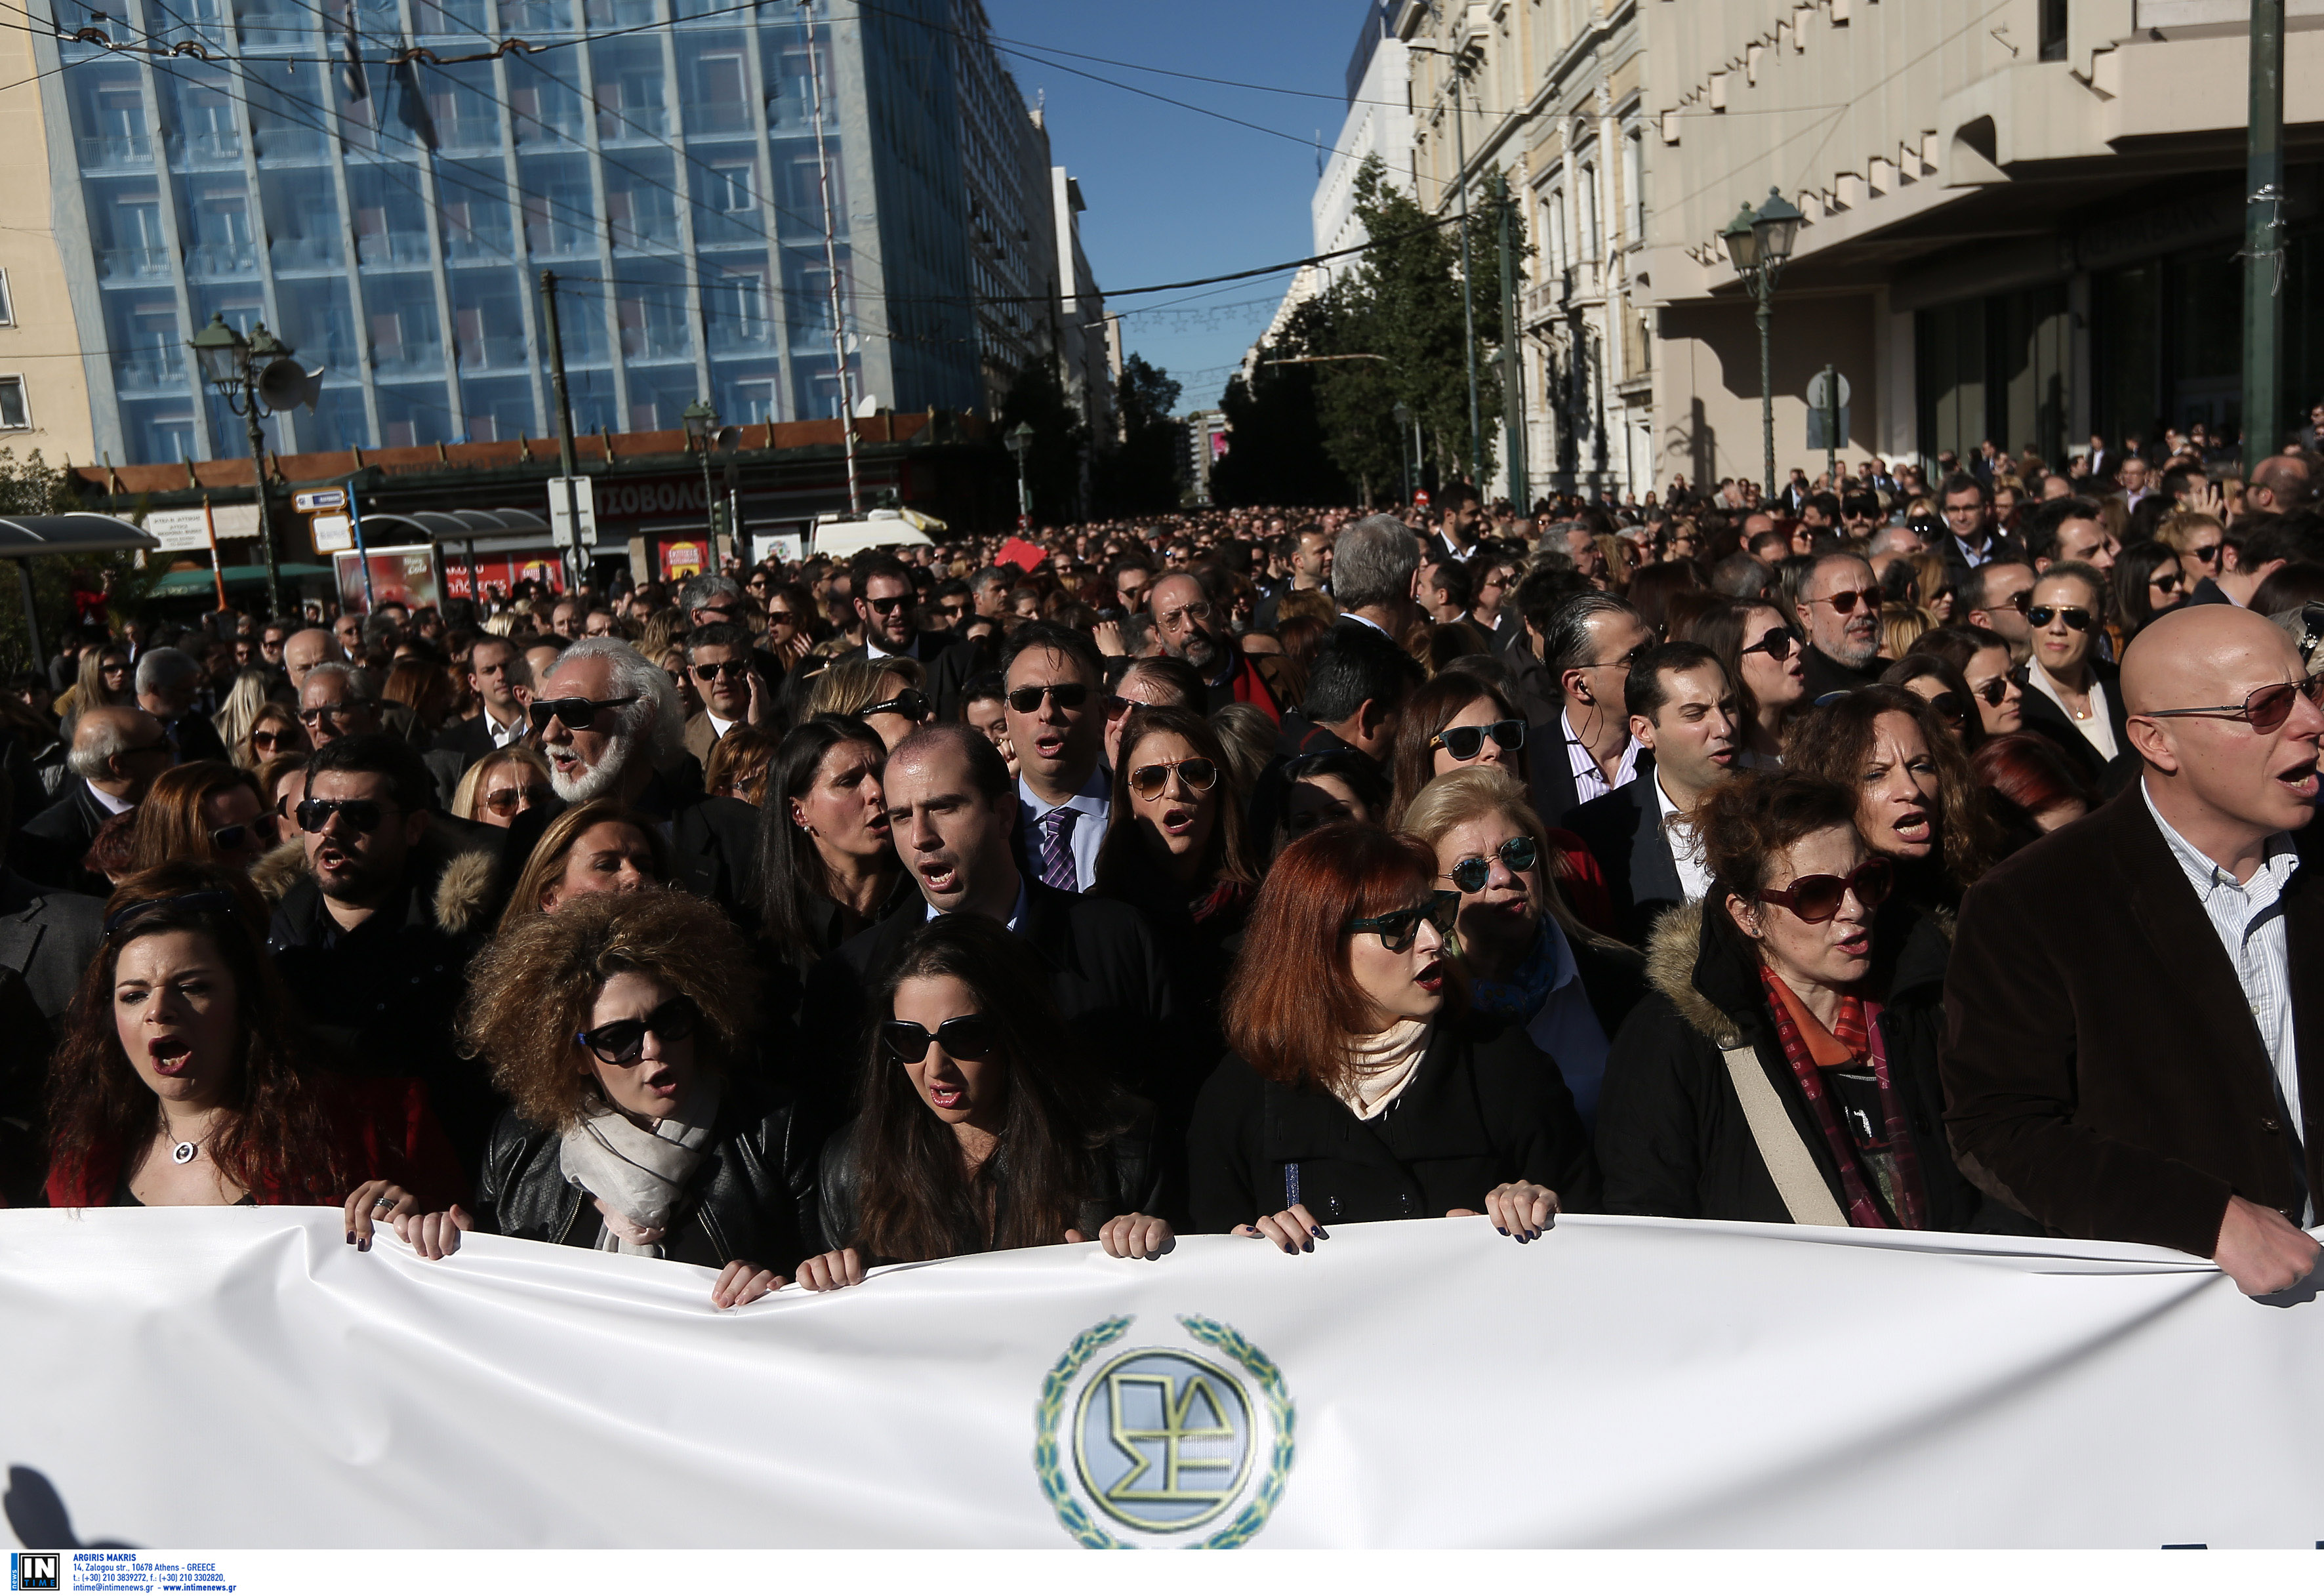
x=380, y=1127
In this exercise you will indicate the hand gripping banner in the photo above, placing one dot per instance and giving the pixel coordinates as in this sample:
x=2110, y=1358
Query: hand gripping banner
x=241, y=1377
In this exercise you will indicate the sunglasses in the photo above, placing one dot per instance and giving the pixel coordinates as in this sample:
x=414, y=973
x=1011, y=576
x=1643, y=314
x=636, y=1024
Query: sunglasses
x=1844, y=603
x=267, y=742
x=911, y=704
x=1951, y=706
x=1068, y=694
x=885, y=606
x=1398, y=930
x=505, y=800
x=1993, y=690
x=621, y=1041
x=230, y=839
x=577, y=713
x=1815, y=899
x=1777, y=645
x=2209, y=553
x=2074, y=615
x=1466, y=742
x=1147, y=781
x=364, y=814
x=318, y=715
x=2164, y=581
x=1520, y=853
x=725, y=668
x=782, y=617
x=2265, y=708
x=963, y=1035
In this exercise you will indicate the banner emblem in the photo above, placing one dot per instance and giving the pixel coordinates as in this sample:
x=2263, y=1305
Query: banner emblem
x=1160, y=1442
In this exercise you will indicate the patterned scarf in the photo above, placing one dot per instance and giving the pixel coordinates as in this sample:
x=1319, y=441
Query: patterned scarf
x=1854, y=1038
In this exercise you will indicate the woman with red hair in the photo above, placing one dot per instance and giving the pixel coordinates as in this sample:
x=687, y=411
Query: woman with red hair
x=2030, y=786
x=1357, y=1089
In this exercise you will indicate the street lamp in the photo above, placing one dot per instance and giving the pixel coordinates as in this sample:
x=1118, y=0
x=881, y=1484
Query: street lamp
x=1403, y=414
x=256, y=377
x=1759, y=242
x=1020, y=440
x=701, y=428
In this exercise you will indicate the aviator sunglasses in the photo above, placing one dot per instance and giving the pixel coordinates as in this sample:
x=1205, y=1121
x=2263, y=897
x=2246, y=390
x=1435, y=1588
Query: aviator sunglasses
x=1816, y=899
x=2265, y=708
x=1068, y=694
x=1147, y=781
x=963, y=1035
x=623, y=1041
x=1520, y=853
x=2074, y=615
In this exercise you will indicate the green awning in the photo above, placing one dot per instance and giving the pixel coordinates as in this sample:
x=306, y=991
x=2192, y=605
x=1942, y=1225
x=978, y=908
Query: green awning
x=192, y=584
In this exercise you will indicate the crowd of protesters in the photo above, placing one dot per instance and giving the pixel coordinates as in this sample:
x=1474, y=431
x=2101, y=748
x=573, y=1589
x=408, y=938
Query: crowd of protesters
x=1893, y=852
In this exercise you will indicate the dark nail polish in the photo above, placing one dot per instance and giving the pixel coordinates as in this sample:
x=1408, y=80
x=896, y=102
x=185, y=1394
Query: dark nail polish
x=1308, y=1245
x=351, y=1237
x=1322, y=1234
x=1503, y=1229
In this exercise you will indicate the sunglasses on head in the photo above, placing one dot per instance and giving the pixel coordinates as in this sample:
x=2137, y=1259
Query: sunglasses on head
x=1199, y=774
x=364, y=814
x=1068, y=694
x=2074, y=615
x=911, y=704
x=577, y=713
x=1466, y=742
x=1816, y=899
x=2264, y=708
x=1777, y=645
x=1844, y=603
x=1520, y=853
x=623, y=1041
x=733, y=668
x=504, y=800
x=1397, y=928
x=963, y=1035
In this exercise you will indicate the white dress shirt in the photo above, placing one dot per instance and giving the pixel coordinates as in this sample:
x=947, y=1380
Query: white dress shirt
x=2099, y=730
x=1685, y=846
x=718, y=728
x=2248, y=917
x=1095, y=804
x=503, y=735
x=1589, y=780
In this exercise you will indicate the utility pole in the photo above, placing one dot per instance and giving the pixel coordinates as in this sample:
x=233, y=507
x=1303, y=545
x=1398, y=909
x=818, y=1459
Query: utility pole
x=831, y=266
x=1468, y=279
x=1512, y=368
x=575, y=563
x=2264, y=238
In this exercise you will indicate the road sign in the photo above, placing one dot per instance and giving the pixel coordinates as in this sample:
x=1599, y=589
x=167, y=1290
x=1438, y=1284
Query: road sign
x=333, y=534
x=181, y=531
x=582, y=505
x=1819, y=398
x=315, y=498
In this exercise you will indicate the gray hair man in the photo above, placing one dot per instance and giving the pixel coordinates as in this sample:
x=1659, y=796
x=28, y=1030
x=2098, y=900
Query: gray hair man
x=1373, y=564
x=608, y=720
x=339, y=700
x=116, y=753
x=168, y=680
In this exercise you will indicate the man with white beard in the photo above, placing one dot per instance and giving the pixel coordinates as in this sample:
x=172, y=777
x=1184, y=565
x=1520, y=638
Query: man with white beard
x=610, y=727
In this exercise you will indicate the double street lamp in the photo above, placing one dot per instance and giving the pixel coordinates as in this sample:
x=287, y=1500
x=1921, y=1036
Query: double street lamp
x=1759, y=242
x=1020, y=440
x=257, y=378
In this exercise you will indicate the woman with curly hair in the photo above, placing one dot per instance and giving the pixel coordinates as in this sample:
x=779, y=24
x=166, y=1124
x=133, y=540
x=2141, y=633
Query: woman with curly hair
x=982, y=1130
x=612, y=1026
x=1917, y=805
x=184, y=1079
x=274, y=731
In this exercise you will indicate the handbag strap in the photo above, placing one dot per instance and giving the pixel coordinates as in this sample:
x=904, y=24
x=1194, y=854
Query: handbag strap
x=1798, y=1181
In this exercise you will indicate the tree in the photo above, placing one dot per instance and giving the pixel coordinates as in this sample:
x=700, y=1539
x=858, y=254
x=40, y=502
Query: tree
x=1403, y=304
x=1277, y=454
x=1143, y=475
x=1053, y=466
x=32, y=487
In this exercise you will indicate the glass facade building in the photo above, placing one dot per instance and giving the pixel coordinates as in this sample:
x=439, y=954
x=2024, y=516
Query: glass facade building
x=392, y=222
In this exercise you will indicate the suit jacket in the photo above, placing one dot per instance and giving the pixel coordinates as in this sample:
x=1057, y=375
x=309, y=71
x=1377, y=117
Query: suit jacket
x=48, y=937
x=1106, y=973
x=1625, y=833
x=1549, y=774
x=471, y=739
x=195, y=738
x=1999, y=545
x=48, y=849
x=2042, y=716
x=701, y=736
x=2101, y=1067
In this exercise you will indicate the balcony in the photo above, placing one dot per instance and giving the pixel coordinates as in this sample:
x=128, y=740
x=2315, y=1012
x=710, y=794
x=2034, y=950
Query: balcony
x=392, y=249
x=642, y=344
x=408, y=360
x=305, y=254
x=122, y=150
x=719, y=116
x=222, y=260
x=558, y=240
x=133, y=265
x=494, y=352
x=212, y=146
x=154, y=370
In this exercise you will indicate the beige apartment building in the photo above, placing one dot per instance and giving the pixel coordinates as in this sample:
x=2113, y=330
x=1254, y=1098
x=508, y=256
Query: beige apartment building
x=2023, y=222
x=43, y=389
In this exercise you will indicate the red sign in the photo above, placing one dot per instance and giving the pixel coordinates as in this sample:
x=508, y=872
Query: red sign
x=1018, y=552
x=687, y=557
x=1421, y=498
x=501, y=576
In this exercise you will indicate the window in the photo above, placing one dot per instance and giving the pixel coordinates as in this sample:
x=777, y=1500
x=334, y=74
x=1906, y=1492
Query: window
x=1634, y=180
x=14, y=418
x=729, y=188
x=1588, y=187
x=7, y=304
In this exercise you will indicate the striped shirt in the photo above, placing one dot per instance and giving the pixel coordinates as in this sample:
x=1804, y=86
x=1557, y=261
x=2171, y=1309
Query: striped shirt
x=2248, y=917
x=1589, y=780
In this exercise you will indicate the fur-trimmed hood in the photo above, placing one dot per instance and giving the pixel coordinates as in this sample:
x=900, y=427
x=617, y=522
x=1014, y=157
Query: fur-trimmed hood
x=459, y=874
x=1910, y=947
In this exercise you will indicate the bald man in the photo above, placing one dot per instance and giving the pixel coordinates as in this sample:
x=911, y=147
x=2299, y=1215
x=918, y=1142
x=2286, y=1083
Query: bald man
x=303, y=650
x=2134, y=1010
x=2279, y=483
x=116, y=753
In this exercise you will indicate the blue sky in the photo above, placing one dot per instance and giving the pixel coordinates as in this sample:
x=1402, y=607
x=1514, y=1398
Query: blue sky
x=1173, y=194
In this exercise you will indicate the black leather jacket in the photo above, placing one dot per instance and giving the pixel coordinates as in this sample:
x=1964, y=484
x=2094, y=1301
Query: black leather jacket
x=1130, y=1179
x=753, y=1195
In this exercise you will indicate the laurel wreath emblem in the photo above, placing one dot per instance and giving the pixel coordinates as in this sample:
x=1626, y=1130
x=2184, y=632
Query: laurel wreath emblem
x=1047, y=1413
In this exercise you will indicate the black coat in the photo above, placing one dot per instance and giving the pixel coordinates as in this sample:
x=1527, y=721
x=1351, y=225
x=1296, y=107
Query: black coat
x=195, y=738
x=471, y=739
x=2044, y=718
x=1107, y=974
x=1625, y=832
x=1485, y=1107
x=753, y=1196
x=1671, y=1135
x=1129, y=1180
x=1825, y=674
x=48, y=849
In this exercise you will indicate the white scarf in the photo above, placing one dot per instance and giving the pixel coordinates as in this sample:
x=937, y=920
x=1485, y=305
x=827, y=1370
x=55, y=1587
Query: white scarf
x=1384, y=1067
x=638, y=1176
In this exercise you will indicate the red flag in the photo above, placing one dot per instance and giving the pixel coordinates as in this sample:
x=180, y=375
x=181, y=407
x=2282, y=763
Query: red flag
x=1024, y=556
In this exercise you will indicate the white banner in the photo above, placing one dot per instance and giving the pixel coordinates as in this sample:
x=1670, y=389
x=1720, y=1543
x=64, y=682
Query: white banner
x=241, y=1377
x=182, y=531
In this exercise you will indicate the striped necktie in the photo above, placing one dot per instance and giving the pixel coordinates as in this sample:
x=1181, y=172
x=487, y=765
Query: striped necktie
x=1058, y=850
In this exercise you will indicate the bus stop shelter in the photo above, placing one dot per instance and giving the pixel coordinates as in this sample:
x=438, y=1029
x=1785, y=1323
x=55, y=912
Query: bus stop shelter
x=81, y=531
